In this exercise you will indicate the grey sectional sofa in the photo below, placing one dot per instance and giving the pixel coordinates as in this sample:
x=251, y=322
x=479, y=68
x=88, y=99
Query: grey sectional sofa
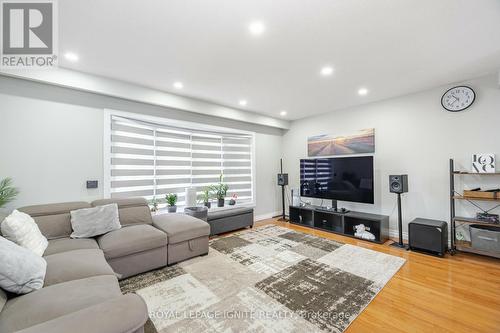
x=81, y=291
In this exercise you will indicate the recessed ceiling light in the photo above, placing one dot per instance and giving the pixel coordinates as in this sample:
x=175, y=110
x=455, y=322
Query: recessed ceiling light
x=243, y=102
x=178, y=85
x=283, y=113
x=256, y=28
x=362, y=91
x=71, y=56
x=326, y=71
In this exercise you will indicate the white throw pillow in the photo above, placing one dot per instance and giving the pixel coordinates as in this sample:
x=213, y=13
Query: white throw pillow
x=23, y=230
x=21, y=270
x=90, y=222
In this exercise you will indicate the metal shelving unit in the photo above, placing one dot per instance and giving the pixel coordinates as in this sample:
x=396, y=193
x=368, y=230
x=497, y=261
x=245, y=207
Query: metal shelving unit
x=460, y=245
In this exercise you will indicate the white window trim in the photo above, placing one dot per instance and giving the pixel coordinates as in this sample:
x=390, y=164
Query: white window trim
x=108, y=113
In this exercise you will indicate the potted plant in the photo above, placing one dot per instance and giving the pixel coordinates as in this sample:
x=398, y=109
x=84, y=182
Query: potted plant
x=153, y=203
x=220, y=191
x=206, y=196
x=7, y=191
x=171, y=199
x=232, y=202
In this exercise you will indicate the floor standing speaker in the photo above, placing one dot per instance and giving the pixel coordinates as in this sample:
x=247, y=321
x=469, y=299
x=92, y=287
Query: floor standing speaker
x=282, y=181
x=399, y=184
x=430, y=236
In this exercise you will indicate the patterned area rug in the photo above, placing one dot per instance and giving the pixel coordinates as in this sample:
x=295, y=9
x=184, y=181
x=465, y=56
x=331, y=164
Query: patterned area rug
x=267, y=279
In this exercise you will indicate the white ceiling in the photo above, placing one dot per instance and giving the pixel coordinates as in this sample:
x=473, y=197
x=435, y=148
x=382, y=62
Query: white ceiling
x=391, y=47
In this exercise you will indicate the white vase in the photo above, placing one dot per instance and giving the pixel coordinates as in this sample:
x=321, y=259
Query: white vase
x=190, y=196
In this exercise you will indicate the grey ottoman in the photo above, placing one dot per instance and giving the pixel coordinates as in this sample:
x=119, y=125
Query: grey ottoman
x=230, y=219
x=187, y=236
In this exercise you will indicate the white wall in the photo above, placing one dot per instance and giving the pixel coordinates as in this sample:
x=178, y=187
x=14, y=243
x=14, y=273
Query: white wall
x=50, y=149
x=413, y=135
x=51, y=143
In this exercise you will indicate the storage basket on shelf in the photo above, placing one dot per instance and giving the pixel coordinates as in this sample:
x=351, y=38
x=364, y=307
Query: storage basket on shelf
x=485, y=237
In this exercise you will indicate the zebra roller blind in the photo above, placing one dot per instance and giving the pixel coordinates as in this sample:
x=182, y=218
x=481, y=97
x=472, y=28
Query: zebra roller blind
x=151, y=160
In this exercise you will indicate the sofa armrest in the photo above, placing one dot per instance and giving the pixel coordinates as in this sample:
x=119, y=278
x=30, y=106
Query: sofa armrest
x=124, y=314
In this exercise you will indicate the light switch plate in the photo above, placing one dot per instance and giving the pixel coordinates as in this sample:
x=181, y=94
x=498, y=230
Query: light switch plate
x=91, y=183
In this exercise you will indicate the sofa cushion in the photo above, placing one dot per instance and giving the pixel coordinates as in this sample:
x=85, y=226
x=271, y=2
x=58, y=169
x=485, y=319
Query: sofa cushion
x=95, y=221
x=69, y=244
x=124, y=314
x=54, y=219
x=181, y=227
x=131, y=239
x=20, y=228
x=132, y=211
x=56, y=301
x=21, y=270
x=74, y=265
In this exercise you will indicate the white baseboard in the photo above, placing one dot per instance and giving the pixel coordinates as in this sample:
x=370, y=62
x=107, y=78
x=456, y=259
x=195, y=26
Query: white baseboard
x=266, y=216
x=395, y=234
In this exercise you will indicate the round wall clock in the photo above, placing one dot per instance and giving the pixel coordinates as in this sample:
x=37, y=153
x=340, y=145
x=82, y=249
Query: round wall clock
x=458, y=98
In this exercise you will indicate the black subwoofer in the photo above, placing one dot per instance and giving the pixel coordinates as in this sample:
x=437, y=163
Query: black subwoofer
x=398, y=183
x=430, y=236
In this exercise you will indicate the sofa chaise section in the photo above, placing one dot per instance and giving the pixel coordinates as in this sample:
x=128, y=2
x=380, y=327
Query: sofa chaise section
x=134, y=249
x=187, y=236
x=138, y=246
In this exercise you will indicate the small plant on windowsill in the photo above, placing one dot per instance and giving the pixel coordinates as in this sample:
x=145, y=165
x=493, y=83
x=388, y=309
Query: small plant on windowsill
x=7, y=191
x=171, y=199
x=220, y=191
x=206, y=196
x=153, y=204
x=232, y=202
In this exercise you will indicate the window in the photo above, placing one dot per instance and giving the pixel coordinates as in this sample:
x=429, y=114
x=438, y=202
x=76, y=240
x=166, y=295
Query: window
x=150, y=157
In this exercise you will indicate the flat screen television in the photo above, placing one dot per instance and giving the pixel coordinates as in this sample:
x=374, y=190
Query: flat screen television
x=341, y=178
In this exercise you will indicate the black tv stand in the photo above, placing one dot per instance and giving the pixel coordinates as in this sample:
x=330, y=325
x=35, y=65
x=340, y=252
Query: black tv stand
x=339, y=222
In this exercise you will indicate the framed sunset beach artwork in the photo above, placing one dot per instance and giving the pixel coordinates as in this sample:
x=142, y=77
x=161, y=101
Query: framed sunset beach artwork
x=362, y=142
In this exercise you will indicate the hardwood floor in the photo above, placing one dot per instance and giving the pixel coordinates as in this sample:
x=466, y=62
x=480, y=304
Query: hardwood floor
x=458, y=293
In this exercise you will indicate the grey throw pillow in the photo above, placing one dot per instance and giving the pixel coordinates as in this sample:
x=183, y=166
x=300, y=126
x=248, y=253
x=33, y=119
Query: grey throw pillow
x=90, y=222
x=21, y=270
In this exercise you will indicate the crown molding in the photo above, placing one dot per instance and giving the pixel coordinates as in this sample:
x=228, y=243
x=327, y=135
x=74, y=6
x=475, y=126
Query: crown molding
x=110, y=87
